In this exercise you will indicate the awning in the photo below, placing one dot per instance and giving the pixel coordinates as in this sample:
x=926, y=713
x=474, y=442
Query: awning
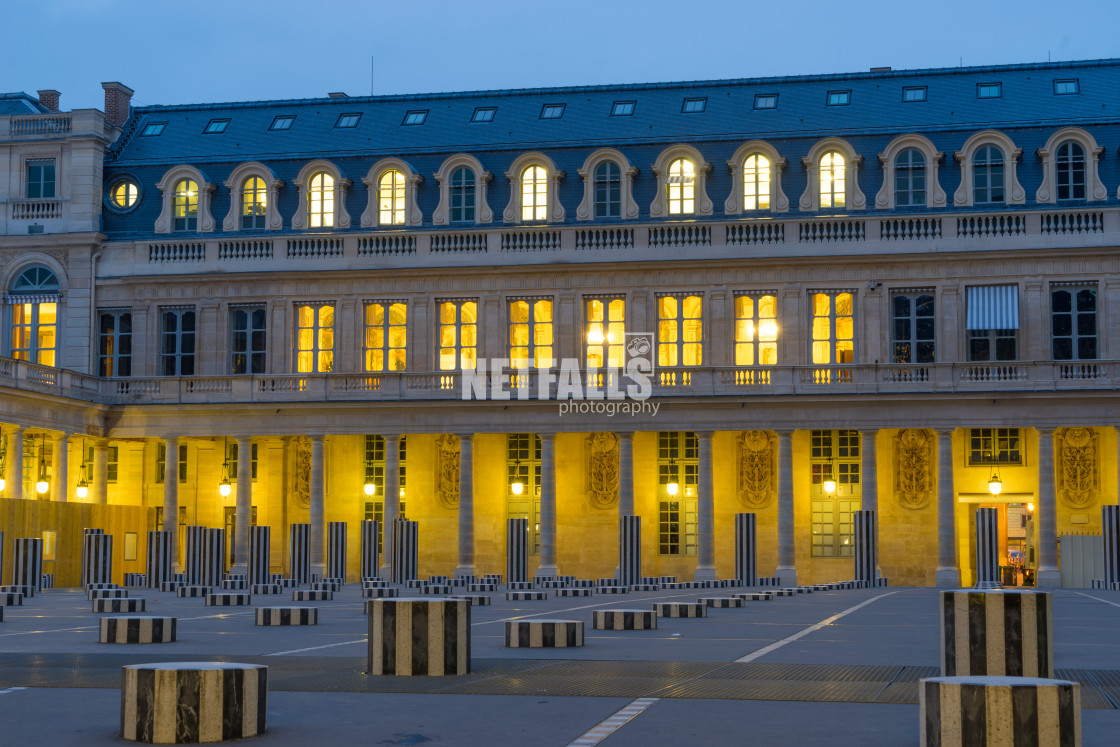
x=992, y=307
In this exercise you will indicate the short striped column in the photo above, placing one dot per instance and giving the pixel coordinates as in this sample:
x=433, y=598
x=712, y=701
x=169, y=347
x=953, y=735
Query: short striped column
x=1110, y=535
x=371, y=530
x=680, y=609
x=405, y=536
x=416, y=637
x=29, y=563
x=996, y=632
x=720, y=602
x=746, y=570
x=517, y=549
x=287, y=615
x=866, y=545
x=999, y=711
x=544, y=633
x=623, y=619
x=336, y=549
x=312, y=595
x=138, y=629
x=228, y=599
x=299, y=553
x=987, y=548
x=97, y=557
x=629, y=550
x=193, y=702
x=260, y=555
x=158, y=558
x=138, y=580
x=134, y=604
x=48, y=578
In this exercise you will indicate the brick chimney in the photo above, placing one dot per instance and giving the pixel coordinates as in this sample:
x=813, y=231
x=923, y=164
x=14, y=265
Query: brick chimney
x=118, y=97
x=49, y=99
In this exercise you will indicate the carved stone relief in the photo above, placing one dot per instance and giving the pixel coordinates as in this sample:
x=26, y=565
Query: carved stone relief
x=602, y=469
x=1078, y=475
x=756, y=469
x=302, y=476
x=447, y=470
x=914, y=467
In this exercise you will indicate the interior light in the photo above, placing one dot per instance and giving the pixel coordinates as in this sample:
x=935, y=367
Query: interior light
x=829, y=486
x=402, y=492
x=595, y=335
x=369, y=488
x=1030, y=508
x=517, y=487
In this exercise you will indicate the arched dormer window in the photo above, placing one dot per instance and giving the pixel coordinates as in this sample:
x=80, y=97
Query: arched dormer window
x=832, y=168
x=253, y=199
x=462, y=195
x=534, y=184
x=322, y=197
x=534, y=193
x=463, y=186
x=254, y=203
x=832, y=177
x=320, y=200
x=987, y=176
x=1070, y=171
x=988, y=162
x=184, y=205
x=756, y=180
x=680, y=197
x=910, y=179
x=682, y=183
x=1069, y=167
x=607, y=189
x=608, y=193
x=33, y=299
x=390, y=198
x=186, y=201
x=910, y=165
x=392, y=186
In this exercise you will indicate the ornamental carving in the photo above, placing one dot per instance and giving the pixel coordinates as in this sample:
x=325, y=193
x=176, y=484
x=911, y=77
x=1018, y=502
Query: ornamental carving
x=447, y=470
x=914, y=467
x=1078, y=476
x=756, y=469
x=302, y=477
x=602, y=469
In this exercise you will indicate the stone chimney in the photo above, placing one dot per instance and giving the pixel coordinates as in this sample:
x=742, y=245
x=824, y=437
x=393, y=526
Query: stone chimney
x=49, y=99
x=118, y=98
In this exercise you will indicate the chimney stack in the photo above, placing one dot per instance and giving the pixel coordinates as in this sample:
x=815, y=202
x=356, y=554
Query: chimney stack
x=49, y=99
x=118, y=98
x=337, y=95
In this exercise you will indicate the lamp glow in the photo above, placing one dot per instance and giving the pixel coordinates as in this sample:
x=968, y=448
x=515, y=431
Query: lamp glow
x=42, y=486
x=3, y=483
x=995, y=486
x=595, y=335
x=829, y=486
x=518, y=487
x=224, y=488
x=369, y=488
x=672, y=488
x=1030, y=508
x=402, y=492
x=81, y=491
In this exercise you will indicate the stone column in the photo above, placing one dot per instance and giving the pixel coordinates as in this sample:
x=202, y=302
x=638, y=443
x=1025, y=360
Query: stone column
x=316, y=516
x=60, y=490
x=391, y=501
x=547, y=565
x=625, y=474
x=14, y=488
x=787, y=556
x=171, y=496
x=466, y=506
x=948, y=572
x=869, y=487
x=1048, y=574
x=101, y=471
x=705, y=512
x=244, y=505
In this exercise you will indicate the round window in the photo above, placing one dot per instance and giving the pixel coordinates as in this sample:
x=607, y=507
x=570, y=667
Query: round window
x=124, y=194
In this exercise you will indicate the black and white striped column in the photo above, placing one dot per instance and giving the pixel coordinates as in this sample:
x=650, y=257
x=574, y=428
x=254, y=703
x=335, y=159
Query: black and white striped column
x=192, y=554
x=517, y=549
x=213, y=557
x=412, y=637
x=97, y=557
x=29, y=563
x=866, y=546
x=260, y=554
x=371, y=530
x=629, y=550
x=997, y=632
x=746, y=569
x=192, y=702
x=999, y=711
x=1110, y=534
x=336, y=549
x=405, y=536
x=159, y=568
x=299, y=553
x=987, y=548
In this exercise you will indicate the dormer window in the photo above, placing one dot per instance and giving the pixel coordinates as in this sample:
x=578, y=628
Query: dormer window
x=622, y=109
x=694, y=106
x=282, y=122
x=989, y=90
x=415, y=117
x=153, y=129
x=913, y=93
x=347, y=121
x=215, y=126
x=839, y=98
x=552, y=111
x=766, y=101
x=1066, y=87
x=484, y=114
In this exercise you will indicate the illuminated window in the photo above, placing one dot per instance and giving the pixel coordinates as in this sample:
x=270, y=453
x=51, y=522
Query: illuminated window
x=462, y=195
x=678, y=472
x=153, y=130
x=114, y=344
x=386, y=336
x=390, y=198
x=694, y=106
x=375, y=461
x=40, y=178
x=608, y=190
x=50, y=539
x=315, y=338
x=184, y=205
x=247, y=340
x=756, y=182
x=622, y=108
x=530, y=333
x=484, y=114
x=124, y=194
x=346, y=121
x=839, y=98
x=552, y=111
x=176, y=346
x=910, y=179
x=320, y=200
x=458, y=335
x=912, y=328
x=914, y=93
x=254, y=203
x=215, y=126
x=766, y=101
x=415, y=117
x=834, y=317
x=989, y=90
x=833, y=180
x=987, y=176
x=282, y=122
x=534, y=193
x=994, y=446
x=1070, y=165
x=1066, y=87
x=756, y=330
x=605, y=332
x=680, y=331
x=1073, y=323
x=835, y=455
x=681, y=186
x=523, y=465
x=34, y=321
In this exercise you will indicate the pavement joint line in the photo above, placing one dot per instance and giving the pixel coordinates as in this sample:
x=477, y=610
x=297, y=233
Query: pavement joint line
x=1114, y=604
x=315, y=648
x=94, y=627
x=811, y=629
x=574, y=609
x=613, y=723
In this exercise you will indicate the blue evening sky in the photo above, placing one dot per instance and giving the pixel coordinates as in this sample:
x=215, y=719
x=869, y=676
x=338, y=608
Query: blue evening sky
x=242, y=50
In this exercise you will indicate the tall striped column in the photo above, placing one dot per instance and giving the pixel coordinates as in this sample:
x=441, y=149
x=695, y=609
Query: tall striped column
x=629, y=550
x=987, y=548
x=371, y=530
x=192, y=554
x=517, y=550
x=97, y=557
x=336, y=549
x=260, y=549
x=405, y=535
x=213, y=557
x=746, y=569
x=29, y=563
x=299, y=553
x=1110, y=535
x=866, y=551
x=159, y=558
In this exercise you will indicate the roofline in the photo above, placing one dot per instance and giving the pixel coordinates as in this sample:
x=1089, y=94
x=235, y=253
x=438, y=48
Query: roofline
x=1072, y=65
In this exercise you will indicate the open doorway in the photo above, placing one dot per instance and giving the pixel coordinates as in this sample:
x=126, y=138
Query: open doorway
x=1017, y=561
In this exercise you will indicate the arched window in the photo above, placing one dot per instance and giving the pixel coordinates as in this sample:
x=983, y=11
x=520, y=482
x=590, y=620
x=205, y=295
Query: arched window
x=390, y=199
x=987, y=176
x=462, y=195
x=254, y=203
x=534, y=193
x=681, y=186
x=320, y=200
x=1070, y=164
x=910, y=179
x=833, y=180
x=756, y=182
x=34, y=319
x=608, y=190
x=185, y=205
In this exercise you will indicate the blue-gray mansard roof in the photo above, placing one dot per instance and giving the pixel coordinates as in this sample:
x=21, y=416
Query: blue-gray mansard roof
x=15, y=104
x=1028, y=110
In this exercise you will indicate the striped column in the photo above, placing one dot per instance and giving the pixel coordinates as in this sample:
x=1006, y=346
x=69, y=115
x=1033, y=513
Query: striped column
x=411, y=637
x=517, y=549
x=999, y=711
x=629, y=550
x=260, y=554
x=405, y=537
x=987, y=548
x=192, y=554
x=213, y=565
x=997, y=632
x=158, y=558
x=299, y=553
x=866, y=549
x=193, y=702
x=97, y=557
x=746, y=569
x=336, y=549
x=1110, y=534
x=29, y=563
x=371, y=530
